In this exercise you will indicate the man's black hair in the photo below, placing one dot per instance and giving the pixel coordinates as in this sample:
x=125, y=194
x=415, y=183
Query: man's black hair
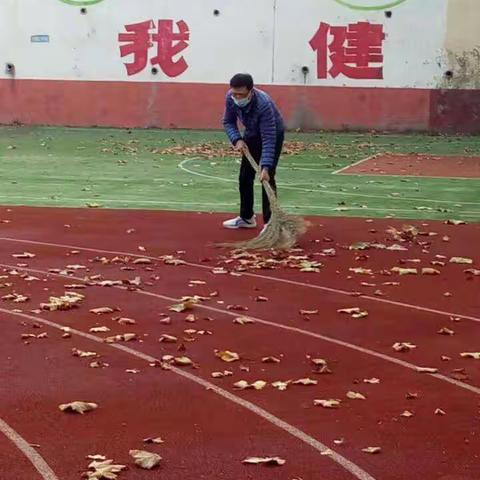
x=242, y=80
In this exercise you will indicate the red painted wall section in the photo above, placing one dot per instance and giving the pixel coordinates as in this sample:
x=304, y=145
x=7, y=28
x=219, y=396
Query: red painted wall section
x=184, y=105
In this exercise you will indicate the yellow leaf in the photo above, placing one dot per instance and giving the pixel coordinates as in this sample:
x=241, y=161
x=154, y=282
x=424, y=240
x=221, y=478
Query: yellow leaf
x=407, y=414
x=126, y=321
x=244, y=385
x=474, y=355
x=78, y=407
x=403, y=346
x=146, y=460
x=439, y=411
x=361, y=271
x=371, y=380
x=270, y=360
x=355, y=396
x=167, y=338
x=228, y=356
x=327, y=403
x=446, y=331
x=349, y=311
x=281, y=385
x=270, y=461
x=305, y=381
x=82, y=354
x=405, y=271
x=243, y=320
x=182, y=361
x=142, y=261
x=372, y=450
x=101, y=310
x=430, y=271
x=462, y=260
x=104, y=470
x=99, y=329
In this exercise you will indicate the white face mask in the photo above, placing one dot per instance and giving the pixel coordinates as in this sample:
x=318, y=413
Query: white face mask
x=242, y=102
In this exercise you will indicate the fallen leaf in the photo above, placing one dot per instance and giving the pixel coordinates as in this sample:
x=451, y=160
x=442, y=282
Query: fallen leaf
x=99, y=329
x=168, y=339
x=446, y=331
x=101, y=310
x=403, y=346
x=473, y=271
x=427, y=370
x=372, y=381
x=78, y=407
x=182, y=361
x=355, y=396
x=96, y=457
x=227, y=356
x=327, y=403
x=142, y=261
x=65, y=302
x=407, y=414
x=474, y=355
x=243, y=320
x=349, y=311
x=126, y=321
x=372, y=450
x=145, y=460
x=244, y=385
x=405, y=271
x=132, y=370
x=461, y=260
x=153, y=440
x=270, y=360
x=430, y=271
x=445, y=358
x=308, y=312
x=305, y=381
x=361, y=271
x=82, y=354
x=281, y=385
x=261, y=298
x=126, y=337
x=455, y=222
x=104, y=470
x=183, y=306
x=341, y=441
x=411, y=396
x=24, y=255
x=439, y=411
x=269, y=461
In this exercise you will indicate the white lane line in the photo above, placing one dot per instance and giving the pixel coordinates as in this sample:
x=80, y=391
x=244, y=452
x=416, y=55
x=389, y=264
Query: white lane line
x=308, y=333
x=354, y=469
x=30, y=453
x=313, y=189
x=256, y=275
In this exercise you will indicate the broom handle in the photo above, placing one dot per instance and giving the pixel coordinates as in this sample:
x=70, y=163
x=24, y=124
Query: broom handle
x=268, y=188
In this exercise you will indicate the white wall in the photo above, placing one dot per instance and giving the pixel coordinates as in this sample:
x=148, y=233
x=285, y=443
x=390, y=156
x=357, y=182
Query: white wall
x=269, y=38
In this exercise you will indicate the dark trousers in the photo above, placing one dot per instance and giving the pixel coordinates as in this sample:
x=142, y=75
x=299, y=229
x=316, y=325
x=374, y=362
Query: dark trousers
x=247, y=178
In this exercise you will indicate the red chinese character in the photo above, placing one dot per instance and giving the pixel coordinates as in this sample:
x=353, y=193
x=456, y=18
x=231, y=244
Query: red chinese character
x=171, y=44
x=139, y=42
x=352, y=50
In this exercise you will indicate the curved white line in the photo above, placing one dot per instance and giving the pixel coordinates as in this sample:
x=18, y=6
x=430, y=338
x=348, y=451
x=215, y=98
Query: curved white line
x=308, y=333
x=182, y=166
x=354, y=469
x=30, y=453
x=255, y=275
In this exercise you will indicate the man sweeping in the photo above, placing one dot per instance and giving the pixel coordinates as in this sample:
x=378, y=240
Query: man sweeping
x=263, y=137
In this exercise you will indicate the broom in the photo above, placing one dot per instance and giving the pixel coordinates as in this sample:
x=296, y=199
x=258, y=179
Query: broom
x=281, y=232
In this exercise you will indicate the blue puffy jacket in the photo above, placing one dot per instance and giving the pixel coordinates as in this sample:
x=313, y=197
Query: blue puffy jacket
x=261, y=119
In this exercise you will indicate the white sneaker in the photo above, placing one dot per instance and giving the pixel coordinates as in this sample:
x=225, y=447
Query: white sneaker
x=239, y=222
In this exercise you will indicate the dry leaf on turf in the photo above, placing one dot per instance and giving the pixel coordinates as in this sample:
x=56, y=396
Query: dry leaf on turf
x=182, y=361
x=227, y=356
x=66, y=302
x=405, y=271
x=474, y=355
x=327, y=403
x=153, y=440
x=167, y=339
x=355, y=396
x=281, y=385
x=78, y=407
x=372, y=450
x=462, y=260
x=101, y=310
x=146, y=460
x=244, y=385
x=99, y=329
x=427, y=370
x=269, y=461
x=403, y=346
x=104, y=470
x=243, y=320
x=446, y=331
x=305, y=381
x=270, y=360
x=430, y=271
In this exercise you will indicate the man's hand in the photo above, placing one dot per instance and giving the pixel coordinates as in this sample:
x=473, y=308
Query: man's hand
x=264, y=175
x=241, y=146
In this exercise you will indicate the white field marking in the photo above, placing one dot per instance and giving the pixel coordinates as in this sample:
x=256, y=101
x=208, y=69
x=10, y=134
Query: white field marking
x=30, y=453
x=290, y=187
x=253, y=275
x=355, y=470
x=288, y=328
x=358, y=162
